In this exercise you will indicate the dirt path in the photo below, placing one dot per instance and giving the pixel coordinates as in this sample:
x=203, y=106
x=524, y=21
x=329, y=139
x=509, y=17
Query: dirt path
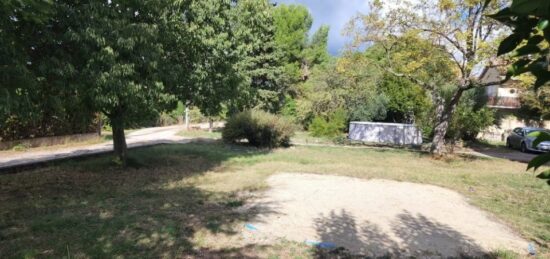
x=142, y=137
x=376, y=217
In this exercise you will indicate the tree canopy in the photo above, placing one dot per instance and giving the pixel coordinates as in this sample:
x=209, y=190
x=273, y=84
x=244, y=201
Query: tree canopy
x=459, y=28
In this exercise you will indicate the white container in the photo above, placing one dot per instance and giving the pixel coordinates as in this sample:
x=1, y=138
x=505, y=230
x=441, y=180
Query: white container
x=386, y=133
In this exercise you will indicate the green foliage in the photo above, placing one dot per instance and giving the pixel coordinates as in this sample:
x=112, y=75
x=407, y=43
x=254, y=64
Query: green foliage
x=39, y=93
x=289, y=109
x=203, y=42
x=292, y=23
x=316, y=51
x=535, y=104
x=333, y=126
x=471, y=116
x=407, y=102
x=373, y=109
x=530, y=43
x=259, y=62
x=345, y=82
x=259, y=128
x=299, y=52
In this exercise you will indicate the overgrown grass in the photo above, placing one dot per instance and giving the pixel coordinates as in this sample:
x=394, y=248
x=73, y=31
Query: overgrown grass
x=178, y=200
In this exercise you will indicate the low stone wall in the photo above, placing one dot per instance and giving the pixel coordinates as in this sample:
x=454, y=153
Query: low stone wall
x=48, y=141
x=386, y=133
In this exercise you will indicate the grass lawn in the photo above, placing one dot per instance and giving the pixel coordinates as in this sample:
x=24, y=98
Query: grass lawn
x=179, y=200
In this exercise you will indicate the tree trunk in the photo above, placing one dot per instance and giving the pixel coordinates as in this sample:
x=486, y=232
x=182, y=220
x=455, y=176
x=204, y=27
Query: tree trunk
x=443, y=121
x=119, y=140
x=210, y=124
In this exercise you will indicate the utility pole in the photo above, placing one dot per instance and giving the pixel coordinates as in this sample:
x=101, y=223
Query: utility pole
x=187, y=116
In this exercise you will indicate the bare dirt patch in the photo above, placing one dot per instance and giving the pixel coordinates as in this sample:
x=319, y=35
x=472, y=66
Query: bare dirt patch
x=377, y=217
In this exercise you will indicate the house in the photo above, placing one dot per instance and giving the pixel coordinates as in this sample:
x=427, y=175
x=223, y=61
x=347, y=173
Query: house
x=505, y=96
x=505, y=99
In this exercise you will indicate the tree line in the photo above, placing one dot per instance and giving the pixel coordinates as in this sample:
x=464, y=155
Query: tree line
x=65, y=62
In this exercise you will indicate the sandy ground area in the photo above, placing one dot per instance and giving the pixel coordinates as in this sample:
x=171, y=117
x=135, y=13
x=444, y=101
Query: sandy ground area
x=376, y=218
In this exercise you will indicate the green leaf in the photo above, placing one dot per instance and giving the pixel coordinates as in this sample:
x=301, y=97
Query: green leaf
x=509, y=44
x=542, y=24
x=503, y=16
x=539, y=161
x=544, y=175
x=535, y=40
x=543, y=136
x=525, y=6
x=547, y=33
x=519, y=67
x=526, y=50
x=542, y=78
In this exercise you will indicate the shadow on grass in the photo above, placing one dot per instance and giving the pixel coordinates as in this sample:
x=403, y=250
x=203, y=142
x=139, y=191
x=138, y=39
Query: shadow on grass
x=420, y=237
x=91, y=207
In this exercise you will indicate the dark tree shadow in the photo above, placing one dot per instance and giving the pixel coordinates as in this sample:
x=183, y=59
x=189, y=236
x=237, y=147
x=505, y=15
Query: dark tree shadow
x=351, y=241
x=418, y=237
x=424, y=237
x=89, y=207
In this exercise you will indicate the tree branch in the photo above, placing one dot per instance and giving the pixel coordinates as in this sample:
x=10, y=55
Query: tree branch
x=473, y=84
x=446, y=37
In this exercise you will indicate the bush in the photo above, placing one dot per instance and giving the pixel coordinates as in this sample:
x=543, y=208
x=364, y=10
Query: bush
x=259, y=128
x=332, y=127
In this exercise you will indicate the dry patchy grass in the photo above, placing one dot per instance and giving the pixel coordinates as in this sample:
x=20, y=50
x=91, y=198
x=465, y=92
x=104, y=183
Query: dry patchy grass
x=179, y=200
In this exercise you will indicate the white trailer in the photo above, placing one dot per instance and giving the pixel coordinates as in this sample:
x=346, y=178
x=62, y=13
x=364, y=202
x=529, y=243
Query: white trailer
x=386, y=133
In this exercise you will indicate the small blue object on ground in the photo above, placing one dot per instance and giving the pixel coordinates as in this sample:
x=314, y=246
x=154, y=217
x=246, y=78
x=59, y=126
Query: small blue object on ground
x=327, y=245
x=531, y=249
x=324, y=245
x=312, y=243
x=250, y=227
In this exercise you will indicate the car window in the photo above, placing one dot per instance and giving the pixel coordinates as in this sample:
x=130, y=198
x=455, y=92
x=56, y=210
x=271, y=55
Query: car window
x=517, y=131
x=534, y=133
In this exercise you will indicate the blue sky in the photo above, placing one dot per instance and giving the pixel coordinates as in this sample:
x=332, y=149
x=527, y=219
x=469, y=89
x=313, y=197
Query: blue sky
x=335, y=13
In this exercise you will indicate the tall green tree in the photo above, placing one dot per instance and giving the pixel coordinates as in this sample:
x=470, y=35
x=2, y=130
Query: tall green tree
x=316, y=51
x=121, y=49
x=41, y=93
x=292, y=23
x=200, y=55
x=18, y=20
x=260, y=60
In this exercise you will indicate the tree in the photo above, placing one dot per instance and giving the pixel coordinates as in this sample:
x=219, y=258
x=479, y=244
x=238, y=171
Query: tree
x=529, y=42
x=121, y=49
x=18, y=19
x=292, y=23
x=259, y=61
x=459, y=28
x=348, y=83
x=41, y=93
x=201, y=54
x=535, y=105
x=316, y=52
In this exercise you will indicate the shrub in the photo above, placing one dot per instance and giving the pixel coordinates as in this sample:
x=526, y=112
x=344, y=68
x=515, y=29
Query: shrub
x=332, y=127
x=259, y=128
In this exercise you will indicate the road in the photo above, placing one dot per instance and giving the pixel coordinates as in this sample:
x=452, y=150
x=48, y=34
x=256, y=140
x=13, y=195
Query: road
x=138, y=138
x=166, y=135
x=501, y=152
